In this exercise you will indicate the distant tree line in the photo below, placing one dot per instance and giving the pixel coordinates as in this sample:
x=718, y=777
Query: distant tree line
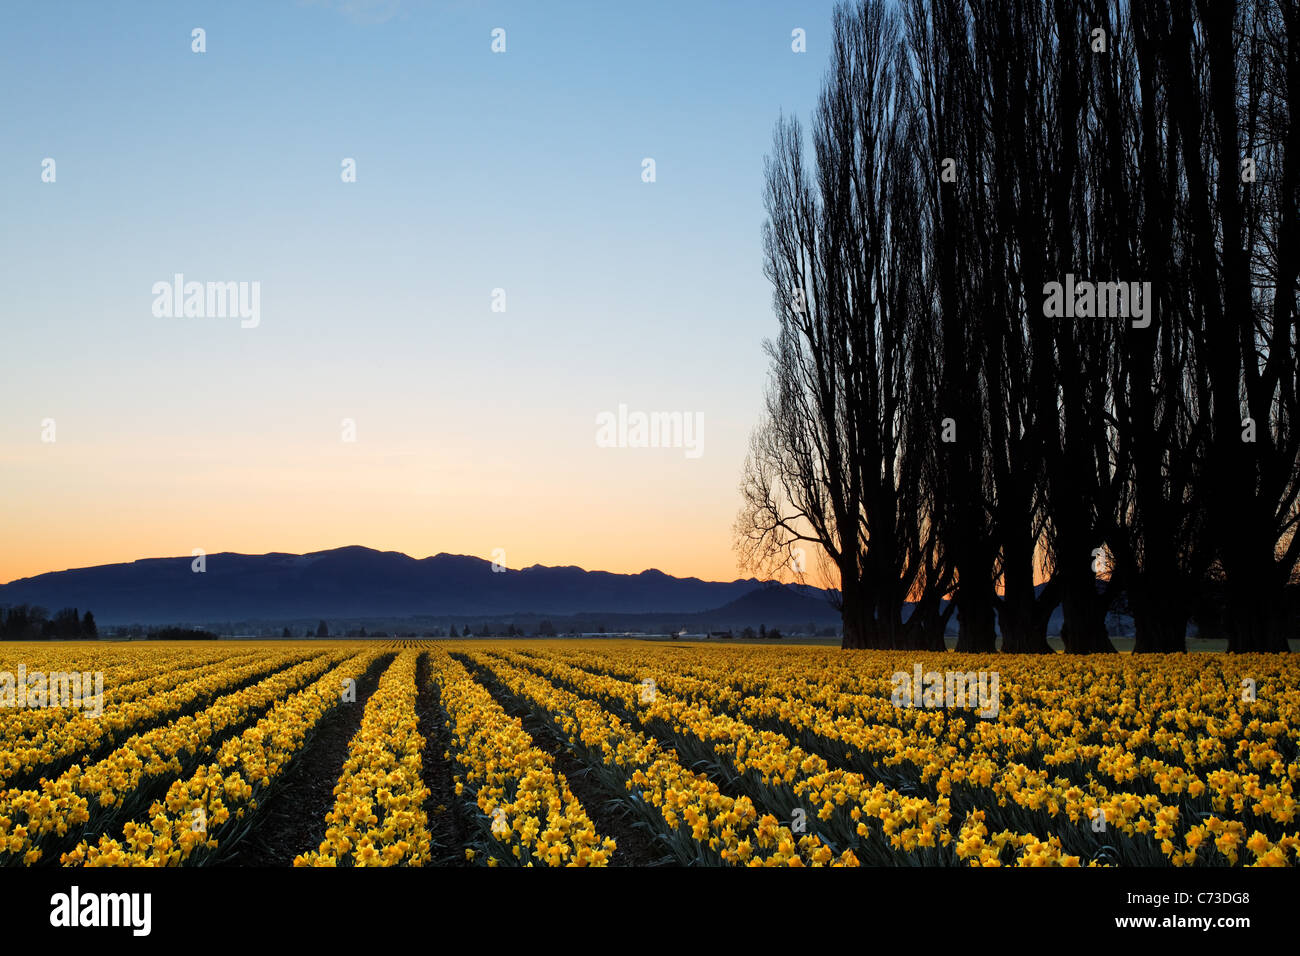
x=544, y=629
x=27, y=622
x=1037, y=270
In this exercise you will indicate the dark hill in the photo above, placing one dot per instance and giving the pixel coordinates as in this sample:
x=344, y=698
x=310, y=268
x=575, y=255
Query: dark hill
x=357, y=582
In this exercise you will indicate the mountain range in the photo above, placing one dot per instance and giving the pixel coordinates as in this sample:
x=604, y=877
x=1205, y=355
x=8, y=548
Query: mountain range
x=357, y=583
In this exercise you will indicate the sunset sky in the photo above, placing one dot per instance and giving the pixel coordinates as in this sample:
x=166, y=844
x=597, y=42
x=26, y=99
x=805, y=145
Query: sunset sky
x=522, y=171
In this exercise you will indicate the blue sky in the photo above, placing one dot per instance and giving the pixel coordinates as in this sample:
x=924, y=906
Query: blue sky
x=475, y=171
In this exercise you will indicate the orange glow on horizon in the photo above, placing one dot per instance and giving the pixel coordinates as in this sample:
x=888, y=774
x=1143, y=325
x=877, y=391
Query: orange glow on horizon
x=113, y=504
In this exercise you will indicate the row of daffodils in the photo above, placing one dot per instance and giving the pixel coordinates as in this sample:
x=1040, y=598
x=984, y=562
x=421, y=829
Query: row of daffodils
x=379, y=817
x=695, y=820
x=42, y=746
x=1119, y=760
x=697, y=754
x=526, y=813
x=32, y=819
x=215, y=806
x=125, y=680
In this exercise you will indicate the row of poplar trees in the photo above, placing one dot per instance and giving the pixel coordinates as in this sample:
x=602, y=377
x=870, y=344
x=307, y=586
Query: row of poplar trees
x=947, y=449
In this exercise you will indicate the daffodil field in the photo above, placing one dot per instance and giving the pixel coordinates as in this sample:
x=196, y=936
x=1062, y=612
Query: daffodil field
x=610, y=752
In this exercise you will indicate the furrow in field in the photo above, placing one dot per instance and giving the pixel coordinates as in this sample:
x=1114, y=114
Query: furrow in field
x=448, y=812
x=292, y=817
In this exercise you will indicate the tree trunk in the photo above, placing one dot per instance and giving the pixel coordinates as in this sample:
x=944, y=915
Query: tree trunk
x=976, y=619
